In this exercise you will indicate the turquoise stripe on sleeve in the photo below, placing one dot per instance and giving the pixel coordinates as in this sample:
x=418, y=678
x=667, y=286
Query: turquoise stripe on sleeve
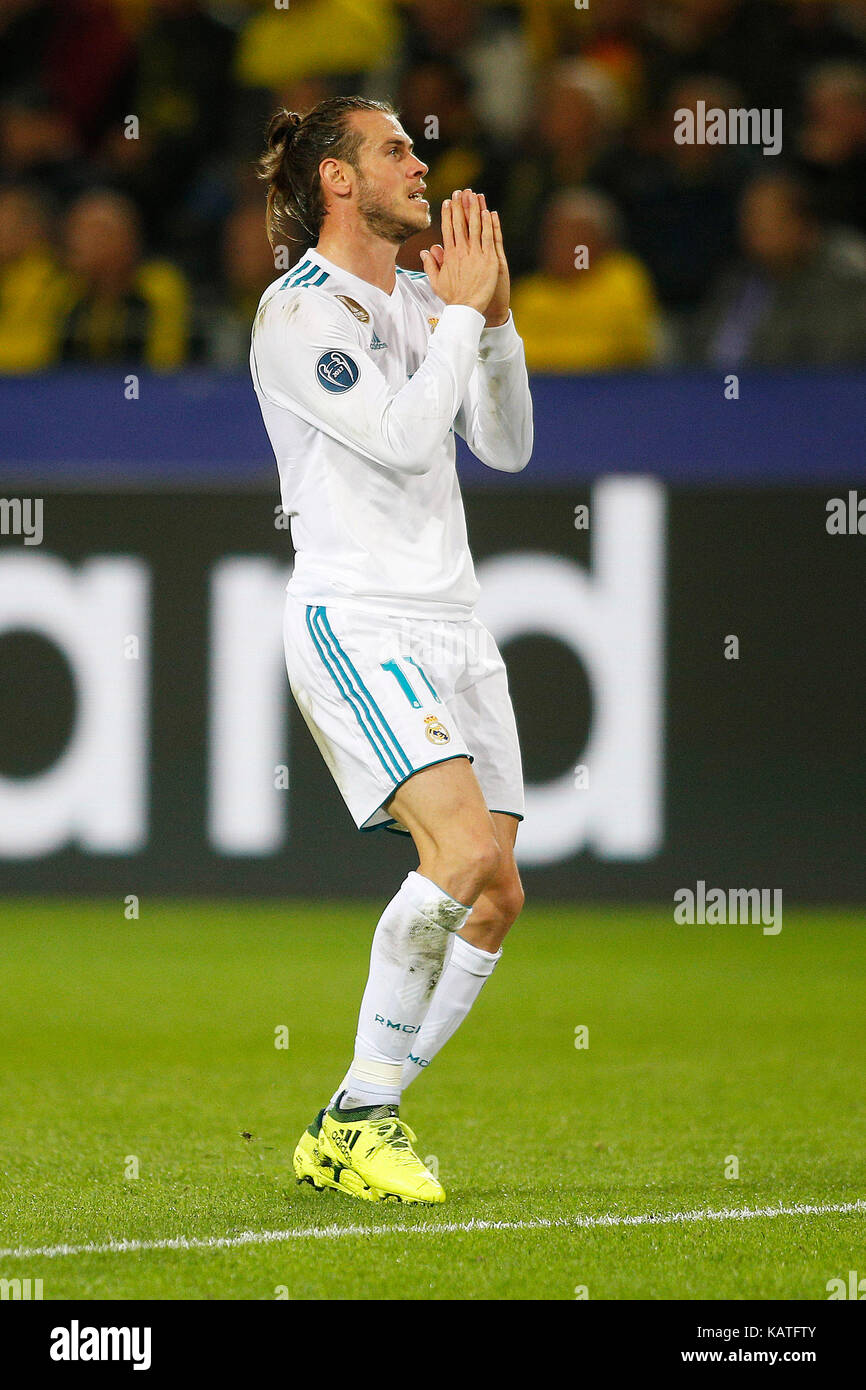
x=302, y=276
x=295, y=270
x=305, y=279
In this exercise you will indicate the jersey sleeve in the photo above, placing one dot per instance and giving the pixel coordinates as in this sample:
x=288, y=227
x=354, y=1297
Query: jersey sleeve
x=309, y=356
x=495, y=416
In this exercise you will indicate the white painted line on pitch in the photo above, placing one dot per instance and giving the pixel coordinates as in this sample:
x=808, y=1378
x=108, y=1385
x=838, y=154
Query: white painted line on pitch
x=446, y=1228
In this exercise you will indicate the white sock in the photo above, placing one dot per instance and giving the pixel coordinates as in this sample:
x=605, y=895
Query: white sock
x=462, y=981
x=410, y=951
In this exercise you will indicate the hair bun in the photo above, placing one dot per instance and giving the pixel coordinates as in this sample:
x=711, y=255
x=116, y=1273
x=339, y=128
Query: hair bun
x=288, y=125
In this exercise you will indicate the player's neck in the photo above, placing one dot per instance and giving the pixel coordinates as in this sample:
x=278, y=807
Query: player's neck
x=368, y=257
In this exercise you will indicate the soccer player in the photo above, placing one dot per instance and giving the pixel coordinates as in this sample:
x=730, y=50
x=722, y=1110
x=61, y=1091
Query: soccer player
x=363, y=372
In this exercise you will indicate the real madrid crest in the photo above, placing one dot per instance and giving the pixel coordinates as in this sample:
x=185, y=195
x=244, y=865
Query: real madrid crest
x=435, y=730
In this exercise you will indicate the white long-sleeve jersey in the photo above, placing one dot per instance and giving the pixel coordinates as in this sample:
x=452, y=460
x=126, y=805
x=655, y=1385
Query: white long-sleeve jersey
x=361, y=393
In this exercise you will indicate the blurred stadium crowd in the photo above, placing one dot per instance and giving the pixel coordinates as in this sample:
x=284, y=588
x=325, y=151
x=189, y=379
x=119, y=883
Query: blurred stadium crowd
x=152, y=251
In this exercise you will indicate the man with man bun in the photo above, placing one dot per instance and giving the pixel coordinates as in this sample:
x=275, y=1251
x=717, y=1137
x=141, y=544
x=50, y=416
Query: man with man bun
x=364, y=372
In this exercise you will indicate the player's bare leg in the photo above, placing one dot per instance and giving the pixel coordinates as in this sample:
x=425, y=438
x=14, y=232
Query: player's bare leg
x=358, y=1144
x=475, y=953
x=500, y=903
x=455, y=835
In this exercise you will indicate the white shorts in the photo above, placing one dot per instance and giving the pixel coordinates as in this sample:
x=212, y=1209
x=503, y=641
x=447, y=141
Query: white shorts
x=385, y=696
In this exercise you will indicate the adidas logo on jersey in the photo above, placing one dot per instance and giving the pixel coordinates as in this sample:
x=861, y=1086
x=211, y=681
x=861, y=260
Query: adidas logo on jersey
x=376, y=341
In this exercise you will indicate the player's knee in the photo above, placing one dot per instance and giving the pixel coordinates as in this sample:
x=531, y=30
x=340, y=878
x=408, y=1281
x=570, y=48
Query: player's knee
x=496, y=912
x=480, y=857
x=505, y=902
x=510, y=901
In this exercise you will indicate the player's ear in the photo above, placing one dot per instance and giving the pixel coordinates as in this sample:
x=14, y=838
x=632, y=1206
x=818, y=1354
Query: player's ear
x=334, y=177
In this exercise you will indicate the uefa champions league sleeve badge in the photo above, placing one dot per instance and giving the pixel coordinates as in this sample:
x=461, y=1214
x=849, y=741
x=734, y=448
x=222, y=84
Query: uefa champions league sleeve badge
x=337, y=371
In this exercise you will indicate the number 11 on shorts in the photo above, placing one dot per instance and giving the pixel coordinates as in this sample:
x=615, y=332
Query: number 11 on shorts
x=404, y=684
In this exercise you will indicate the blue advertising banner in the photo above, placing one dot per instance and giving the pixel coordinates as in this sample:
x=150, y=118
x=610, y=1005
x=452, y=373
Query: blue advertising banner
x=204, y=429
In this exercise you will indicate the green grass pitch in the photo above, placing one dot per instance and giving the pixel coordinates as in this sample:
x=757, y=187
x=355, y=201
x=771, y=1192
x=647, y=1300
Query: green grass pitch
x=150, y=1045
